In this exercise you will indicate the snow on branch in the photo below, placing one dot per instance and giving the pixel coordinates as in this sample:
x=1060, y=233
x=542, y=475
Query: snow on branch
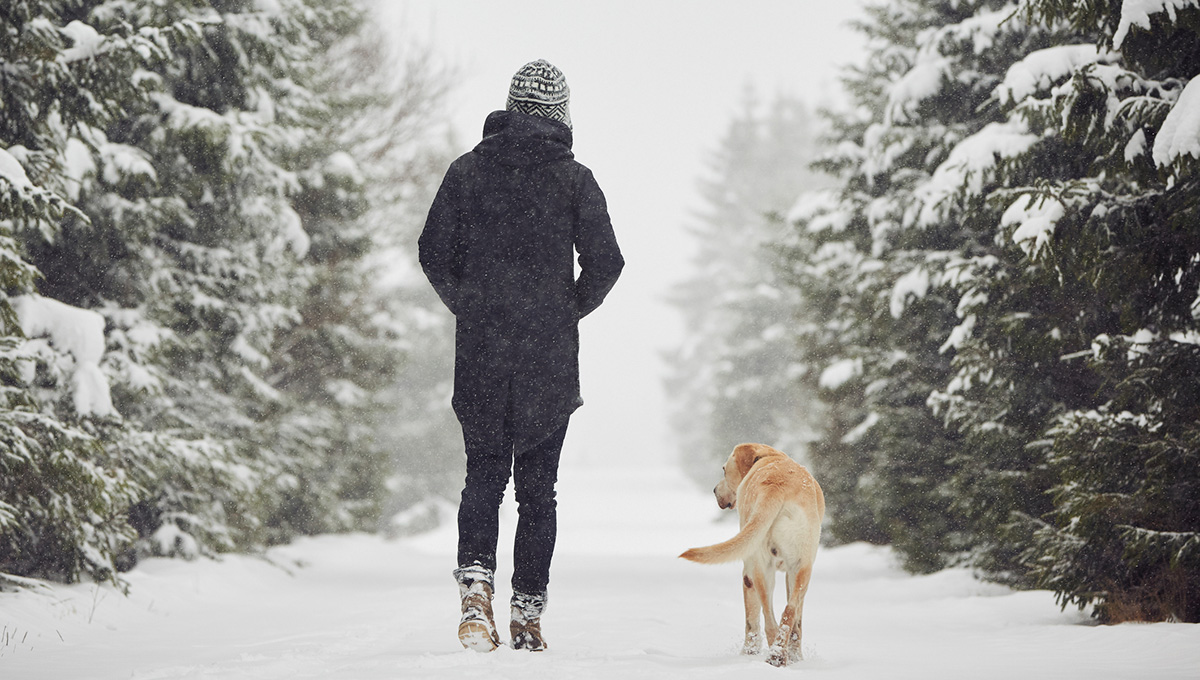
x=12, y=171
x=121, y=160
x=181, y=116
x=932, y=70
x=1035, y=219
x=984, y=28
x=1043, y=68
x=86, y=41
x=23, y=201
x=923, y=81
x=970, y=164
x=269, y=7
x=74, y=331
x=914, y=284
x=1180, y=132
x=819, y=210
x=1138, y=13
x=839, y=373
x=1178, y=547
x=150, y=43
x=280, y=218
x=860, y=430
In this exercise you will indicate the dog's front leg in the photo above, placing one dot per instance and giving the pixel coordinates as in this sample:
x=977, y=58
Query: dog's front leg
x=765, y=585
x=757, y=585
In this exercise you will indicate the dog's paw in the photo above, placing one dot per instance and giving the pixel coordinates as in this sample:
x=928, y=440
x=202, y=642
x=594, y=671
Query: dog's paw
x=780, y=656
x=753, y=644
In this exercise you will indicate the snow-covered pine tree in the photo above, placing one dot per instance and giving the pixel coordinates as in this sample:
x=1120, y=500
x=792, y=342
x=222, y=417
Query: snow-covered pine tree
x=948, y=94
x=164, y=165
x=63, y=496
x=872, y=260
x=733, y=379
x=187, y=256
x=1076, y=245
x=1106, y=246
x=1014, y=160
x=194, y=254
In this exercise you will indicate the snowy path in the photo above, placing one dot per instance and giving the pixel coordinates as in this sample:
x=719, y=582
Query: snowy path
x=358, y=607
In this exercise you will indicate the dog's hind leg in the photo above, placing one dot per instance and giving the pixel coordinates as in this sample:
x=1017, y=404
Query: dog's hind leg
x=757, y=585
x=786, y=646
x=754, y=613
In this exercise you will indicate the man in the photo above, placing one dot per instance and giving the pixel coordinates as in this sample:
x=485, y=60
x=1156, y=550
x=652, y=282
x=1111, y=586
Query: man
x=499, y=248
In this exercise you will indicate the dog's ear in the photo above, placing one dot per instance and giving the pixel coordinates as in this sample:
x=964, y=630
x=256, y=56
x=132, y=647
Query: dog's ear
x=746, y=455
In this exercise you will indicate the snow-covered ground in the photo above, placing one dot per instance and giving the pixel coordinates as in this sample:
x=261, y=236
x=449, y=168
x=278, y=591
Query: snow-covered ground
x=622, y=606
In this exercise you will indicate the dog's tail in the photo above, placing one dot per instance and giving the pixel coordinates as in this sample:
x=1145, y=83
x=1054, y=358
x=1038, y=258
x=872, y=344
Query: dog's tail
x=751, y=534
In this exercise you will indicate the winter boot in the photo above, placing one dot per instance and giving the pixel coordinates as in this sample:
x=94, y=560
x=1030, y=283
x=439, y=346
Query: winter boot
x=526, y=626
x=476, y=629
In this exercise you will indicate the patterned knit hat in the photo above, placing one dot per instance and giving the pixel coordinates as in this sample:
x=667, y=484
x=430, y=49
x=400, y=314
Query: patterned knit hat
x=539, y=89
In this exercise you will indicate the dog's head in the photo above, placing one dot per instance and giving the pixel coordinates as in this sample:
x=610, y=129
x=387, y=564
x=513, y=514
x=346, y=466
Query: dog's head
x=738, y=465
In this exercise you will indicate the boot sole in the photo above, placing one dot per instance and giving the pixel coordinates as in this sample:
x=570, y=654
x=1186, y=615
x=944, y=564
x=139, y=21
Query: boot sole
x=475, y=635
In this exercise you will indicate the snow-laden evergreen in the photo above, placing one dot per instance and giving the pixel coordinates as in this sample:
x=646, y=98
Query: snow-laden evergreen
x=62, y=493
x=872, y=288
x=1020, y=258
x=195, y=353
x=1125, y=530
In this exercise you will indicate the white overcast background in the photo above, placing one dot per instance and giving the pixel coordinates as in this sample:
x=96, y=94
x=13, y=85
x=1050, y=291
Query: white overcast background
x=654, y=85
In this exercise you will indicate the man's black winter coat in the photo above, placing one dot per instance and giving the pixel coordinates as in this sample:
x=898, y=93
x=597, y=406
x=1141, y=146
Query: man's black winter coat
x=499, y=248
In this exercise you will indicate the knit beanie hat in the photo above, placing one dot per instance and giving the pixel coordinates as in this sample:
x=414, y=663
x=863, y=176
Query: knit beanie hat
x=539, y=89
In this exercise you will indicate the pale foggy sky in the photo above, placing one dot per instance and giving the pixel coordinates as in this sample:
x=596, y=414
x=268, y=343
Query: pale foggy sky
x=654, y=85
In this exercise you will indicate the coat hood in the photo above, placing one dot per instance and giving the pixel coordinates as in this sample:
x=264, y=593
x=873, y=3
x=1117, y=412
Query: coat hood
x=518, y=139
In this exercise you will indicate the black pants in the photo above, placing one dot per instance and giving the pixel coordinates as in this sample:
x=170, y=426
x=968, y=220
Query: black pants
x=490, y=458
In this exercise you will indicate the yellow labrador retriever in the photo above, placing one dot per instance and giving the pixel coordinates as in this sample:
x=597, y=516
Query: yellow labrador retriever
x=780, y=507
